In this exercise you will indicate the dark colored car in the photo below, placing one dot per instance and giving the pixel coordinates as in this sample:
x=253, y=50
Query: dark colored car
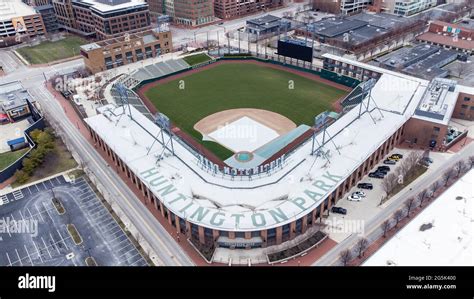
x=384, y=167
x=368, y=186
x=389, y=162
x=339, y=210
x=376, y=175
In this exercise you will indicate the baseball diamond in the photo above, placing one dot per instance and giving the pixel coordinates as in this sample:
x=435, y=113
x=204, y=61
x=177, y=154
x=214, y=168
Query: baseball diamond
x=191, y=98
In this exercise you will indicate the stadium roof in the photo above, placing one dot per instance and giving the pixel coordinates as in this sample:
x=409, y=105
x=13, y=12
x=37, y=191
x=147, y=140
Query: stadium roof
x=448, y=242
x=266, y=201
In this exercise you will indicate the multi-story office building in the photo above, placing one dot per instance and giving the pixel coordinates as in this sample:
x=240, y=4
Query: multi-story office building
x=18, y=22
x=225, y=9
x=459, y=37
x=341, y=6
x=111, y=53
x=46, y=9
x=110, y=18
x=402, y=7
x=65, y=14
x=185, y=12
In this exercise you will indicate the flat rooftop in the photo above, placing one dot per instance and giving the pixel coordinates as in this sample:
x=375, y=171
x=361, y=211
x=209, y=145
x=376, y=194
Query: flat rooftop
x=438, y=101
x=13, y=95
x=447, y=239
x=265, y=201
x=104, y=7
x=264, y=20
x=14, y=8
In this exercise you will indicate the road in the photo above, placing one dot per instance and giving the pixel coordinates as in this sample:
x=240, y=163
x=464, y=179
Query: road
x=167, y=250
x=372, y=227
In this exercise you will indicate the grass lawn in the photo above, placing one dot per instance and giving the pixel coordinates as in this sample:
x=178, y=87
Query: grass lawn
x=51, y=51
x=196, y=59
x=231, y=86
x=8, y=158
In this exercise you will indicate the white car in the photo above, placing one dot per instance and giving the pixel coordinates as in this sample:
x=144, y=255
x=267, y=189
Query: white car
x=354, y=197
x=359, y=193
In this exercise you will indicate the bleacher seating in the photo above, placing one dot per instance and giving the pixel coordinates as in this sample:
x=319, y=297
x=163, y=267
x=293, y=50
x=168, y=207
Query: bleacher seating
x=158, y=70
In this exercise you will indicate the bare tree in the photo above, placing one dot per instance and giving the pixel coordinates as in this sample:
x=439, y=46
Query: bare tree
x=409, y=204
x=434, y=187
x=345, y=256
x=459, y=167
x=447, y=175
x=422, y=196
x=385, y=227
x=471, y=161
x=397, y=216
x=361, y=246
x=389, y=182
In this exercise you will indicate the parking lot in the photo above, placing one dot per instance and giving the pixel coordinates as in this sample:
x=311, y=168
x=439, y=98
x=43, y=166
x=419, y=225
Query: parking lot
x=47, y=241
x=369, y=206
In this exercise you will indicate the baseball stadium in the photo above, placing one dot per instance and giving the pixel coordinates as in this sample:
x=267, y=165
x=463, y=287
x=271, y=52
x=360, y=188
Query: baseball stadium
x=247, y=153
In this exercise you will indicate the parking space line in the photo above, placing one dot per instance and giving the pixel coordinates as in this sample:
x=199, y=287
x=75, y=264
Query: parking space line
x=121, y=235
x=130, y=250
x=54, y=243
x=47, y=212
x=102, y=218
x=21, y=215
x=111, y=229
x=29, y=257
x=128, y=244
x=31, y=216
x=19, y=259
x=8, y=257
x=96, y=208
x=8, y=228
x=39, y=213
x=37, y=188
x=46, y=247
x=87, y=195
x=38, y=252
x=62, y=239
x=120, y=242
x=28, y=188
x=45, y=188
x=132, y=255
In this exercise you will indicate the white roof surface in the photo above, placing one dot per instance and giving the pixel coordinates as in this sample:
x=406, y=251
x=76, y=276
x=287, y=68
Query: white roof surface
x=447, y=243
x=14, y=8
x=266, y=201
x=105, y=7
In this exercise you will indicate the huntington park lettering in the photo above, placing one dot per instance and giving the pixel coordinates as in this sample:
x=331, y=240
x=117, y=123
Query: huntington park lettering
x=190, y=210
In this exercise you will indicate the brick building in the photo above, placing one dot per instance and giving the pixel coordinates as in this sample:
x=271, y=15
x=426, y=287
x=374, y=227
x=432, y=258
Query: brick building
x=107, y=19
x=111, y=53
x=225, y=9
x=19, y=22
x=449, y=36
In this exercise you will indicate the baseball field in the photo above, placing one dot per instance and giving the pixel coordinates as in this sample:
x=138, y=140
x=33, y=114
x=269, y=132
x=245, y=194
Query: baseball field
x=188, y=99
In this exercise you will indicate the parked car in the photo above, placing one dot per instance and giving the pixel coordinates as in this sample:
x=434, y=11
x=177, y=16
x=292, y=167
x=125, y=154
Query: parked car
x=359, y=193
x=381, y=171
x=368, y=186
x=376, y=175
x=339, y=210
x=389, y=162
x=393, y=158
x=384, y=167
x=399, y=156
x=354, y=197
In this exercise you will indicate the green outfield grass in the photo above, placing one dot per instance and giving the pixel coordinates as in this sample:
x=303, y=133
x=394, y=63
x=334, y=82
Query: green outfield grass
x=196, y=59
x=231, y=86
x=48, y=51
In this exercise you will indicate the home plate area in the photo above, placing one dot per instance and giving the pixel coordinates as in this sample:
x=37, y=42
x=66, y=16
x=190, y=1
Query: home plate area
x=243, y=135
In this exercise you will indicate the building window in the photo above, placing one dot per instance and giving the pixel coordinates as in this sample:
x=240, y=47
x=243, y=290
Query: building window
x=436, y=129
x=467, y=99
x=463, y=106
x=239, y=234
